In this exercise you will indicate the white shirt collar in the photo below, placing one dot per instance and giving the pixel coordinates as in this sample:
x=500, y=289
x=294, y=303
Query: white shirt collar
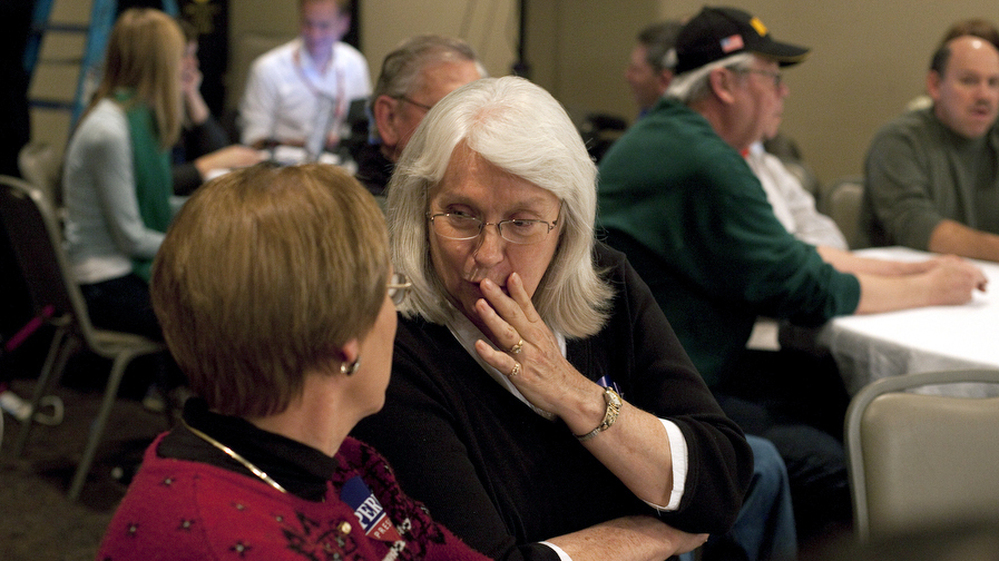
x=306, y=61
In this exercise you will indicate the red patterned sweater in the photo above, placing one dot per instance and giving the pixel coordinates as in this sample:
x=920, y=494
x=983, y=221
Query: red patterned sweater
x=180, y=509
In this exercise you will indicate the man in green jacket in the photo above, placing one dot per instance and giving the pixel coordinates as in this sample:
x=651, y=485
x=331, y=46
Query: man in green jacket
x=680, y=200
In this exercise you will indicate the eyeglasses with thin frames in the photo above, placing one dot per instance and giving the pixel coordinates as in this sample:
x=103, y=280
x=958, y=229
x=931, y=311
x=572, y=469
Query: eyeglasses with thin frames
x=777, y=77
x=398, y=288
x=462, y=227
x=416, y=103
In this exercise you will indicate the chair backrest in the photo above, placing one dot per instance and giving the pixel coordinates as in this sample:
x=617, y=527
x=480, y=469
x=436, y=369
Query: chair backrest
x=41, y=166
x=841, y=201
x=918, y=460
x=34, y=234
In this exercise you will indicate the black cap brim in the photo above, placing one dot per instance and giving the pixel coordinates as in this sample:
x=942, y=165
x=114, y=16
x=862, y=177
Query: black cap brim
x=785, y=54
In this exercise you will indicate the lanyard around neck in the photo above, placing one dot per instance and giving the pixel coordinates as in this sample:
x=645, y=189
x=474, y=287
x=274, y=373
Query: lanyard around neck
x=340, y=98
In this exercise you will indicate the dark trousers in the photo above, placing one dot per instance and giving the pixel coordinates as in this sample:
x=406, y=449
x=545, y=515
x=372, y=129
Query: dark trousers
x=122, y=304
x=798, y=401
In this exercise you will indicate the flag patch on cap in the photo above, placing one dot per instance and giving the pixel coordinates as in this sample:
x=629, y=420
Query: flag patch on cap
x=732, y=43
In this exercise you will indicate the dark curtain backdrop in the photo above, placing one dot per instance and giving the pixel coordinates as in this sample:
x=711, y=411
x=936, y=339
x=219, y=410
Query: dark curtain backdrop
x=15, y=131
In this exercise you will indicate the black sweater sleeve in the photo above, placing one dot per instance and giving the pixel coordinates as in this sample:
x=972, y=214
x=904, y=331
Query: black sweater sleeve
x=196, y=142
x=643, y=355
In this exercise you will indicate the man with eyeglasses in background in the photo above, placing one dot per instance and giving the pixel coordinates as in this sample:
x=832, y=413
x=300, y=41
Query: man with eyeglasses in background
x=679, y=199
x=413, y=78
x=649, y=73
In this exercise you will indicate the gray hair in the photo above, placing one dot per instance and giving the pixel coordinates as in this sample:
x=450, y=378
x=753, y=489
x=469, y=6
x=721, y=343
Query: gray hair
x=520, y=128
x=658, y=39
x=401, y=68
x=694, y=85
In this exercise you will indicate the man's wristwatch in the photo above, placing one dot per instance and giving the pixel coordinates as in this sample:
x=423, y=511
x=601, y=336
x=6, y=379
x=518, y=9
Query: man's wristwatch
x=613, y=401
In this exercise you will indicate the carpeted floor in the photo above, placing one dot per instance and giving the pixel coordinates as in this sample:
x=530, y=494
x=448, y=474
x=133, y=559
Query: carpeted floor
x=37, y=522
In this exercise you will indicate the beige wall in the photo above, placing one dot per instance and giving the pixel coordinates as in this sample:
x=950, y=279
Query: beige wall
x=58, y=81
x=579, y=49
x=254, y=27
x=490, y=27
x=868, y=58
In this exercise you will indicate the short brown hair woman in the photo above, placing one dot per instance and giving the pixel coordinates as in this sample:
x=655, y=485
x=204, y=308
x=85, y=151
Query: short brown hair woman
x=276, y=296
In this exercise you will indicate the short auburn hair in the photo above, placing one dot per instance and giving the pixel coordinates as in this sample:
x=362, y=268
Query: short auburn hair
x=263, y=276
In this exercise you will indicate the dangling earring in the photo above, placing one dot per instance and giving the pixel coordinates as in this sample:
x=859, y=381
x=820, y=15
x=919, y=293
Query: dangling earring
x=351, y=368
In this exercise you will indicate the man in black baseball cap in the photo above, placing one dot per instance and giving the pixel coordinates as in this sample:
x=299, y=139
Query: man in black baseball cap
x=717, y=33
x=679, y=199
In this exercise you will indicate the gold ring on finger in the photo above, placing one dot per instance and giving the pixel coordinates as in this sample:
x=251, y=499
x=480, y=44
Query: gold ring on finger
x=516, y=370
x=515, y=350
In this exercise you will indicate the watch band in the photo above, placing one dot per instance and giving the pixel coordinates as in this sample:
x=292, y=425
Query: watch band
x=613, y=401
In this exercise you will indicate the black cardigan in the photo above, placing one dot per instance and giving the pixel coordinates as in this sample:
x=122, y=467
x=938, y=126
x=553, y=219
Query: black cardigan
x=503, y=478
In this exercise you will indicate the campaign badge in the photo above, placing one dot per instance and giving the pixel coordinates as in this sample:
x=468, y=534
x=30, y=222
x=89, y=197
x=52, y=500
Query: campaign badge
x=369, y=511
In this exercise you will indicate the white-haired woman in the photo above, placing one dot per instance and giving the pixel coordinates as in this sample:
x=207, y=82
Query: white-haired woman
x=540, y=403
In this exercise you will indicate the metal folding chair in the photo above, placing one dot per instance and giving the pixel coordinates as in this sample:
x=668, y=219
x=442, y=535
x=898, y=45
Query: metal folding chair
x=35, y=236
x=918, y=460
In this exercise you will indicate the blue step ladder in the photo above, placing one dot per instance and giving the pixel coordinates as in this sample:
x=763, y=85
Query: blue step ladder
x=102, y=17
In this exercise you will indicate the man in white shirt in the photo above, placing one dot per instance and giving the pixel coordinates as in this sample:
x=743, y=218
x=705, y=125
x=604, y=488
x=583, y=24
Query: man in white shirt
x=795, y=209
x=793, y=206
x=303, y=88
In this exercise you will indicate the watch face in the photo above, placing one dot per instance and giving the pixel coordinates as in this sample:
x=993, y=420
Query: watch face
x=613, y=401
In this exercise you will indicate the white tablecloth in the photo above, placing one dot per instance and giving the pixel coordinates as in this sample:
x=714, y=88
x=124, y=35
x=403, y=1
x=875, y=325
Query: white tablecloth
x=871, y=347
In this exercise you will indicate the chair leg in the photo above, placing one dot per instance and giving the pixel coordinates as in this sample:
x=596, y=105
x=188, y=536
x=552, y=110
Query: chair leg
x=97, y=427
x=61, y=348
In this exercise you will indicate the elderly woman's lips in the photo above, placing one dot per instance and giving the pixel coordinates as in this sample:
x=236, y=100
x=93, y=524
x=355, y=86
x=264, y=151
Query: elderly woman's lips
x=475, y=285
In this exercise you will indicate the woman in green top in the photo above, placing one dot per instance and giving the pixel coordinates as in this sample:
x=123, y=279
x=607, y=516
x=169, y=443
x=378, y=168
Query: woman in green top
x=117, y=181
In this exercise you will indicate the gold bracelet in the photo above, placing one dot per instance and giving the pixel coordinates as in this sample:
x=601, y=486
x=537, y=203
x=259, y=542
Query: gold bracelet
x=613, y=401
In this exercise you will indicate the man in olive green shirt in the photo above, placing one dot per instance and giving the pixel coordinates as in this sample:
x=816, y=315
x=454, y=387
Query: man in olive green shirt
x=931, y=175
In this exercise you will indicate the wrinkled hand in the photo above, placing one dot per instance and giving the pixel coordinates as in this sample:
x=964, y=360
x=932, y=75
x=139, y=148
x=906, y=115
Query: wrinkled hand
x=544, y=376
x=953, y=280
x=916, y=267
x=675, y=542
x=630, y=538
x=687, y=542
x=940, y=260
x=234, y=156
